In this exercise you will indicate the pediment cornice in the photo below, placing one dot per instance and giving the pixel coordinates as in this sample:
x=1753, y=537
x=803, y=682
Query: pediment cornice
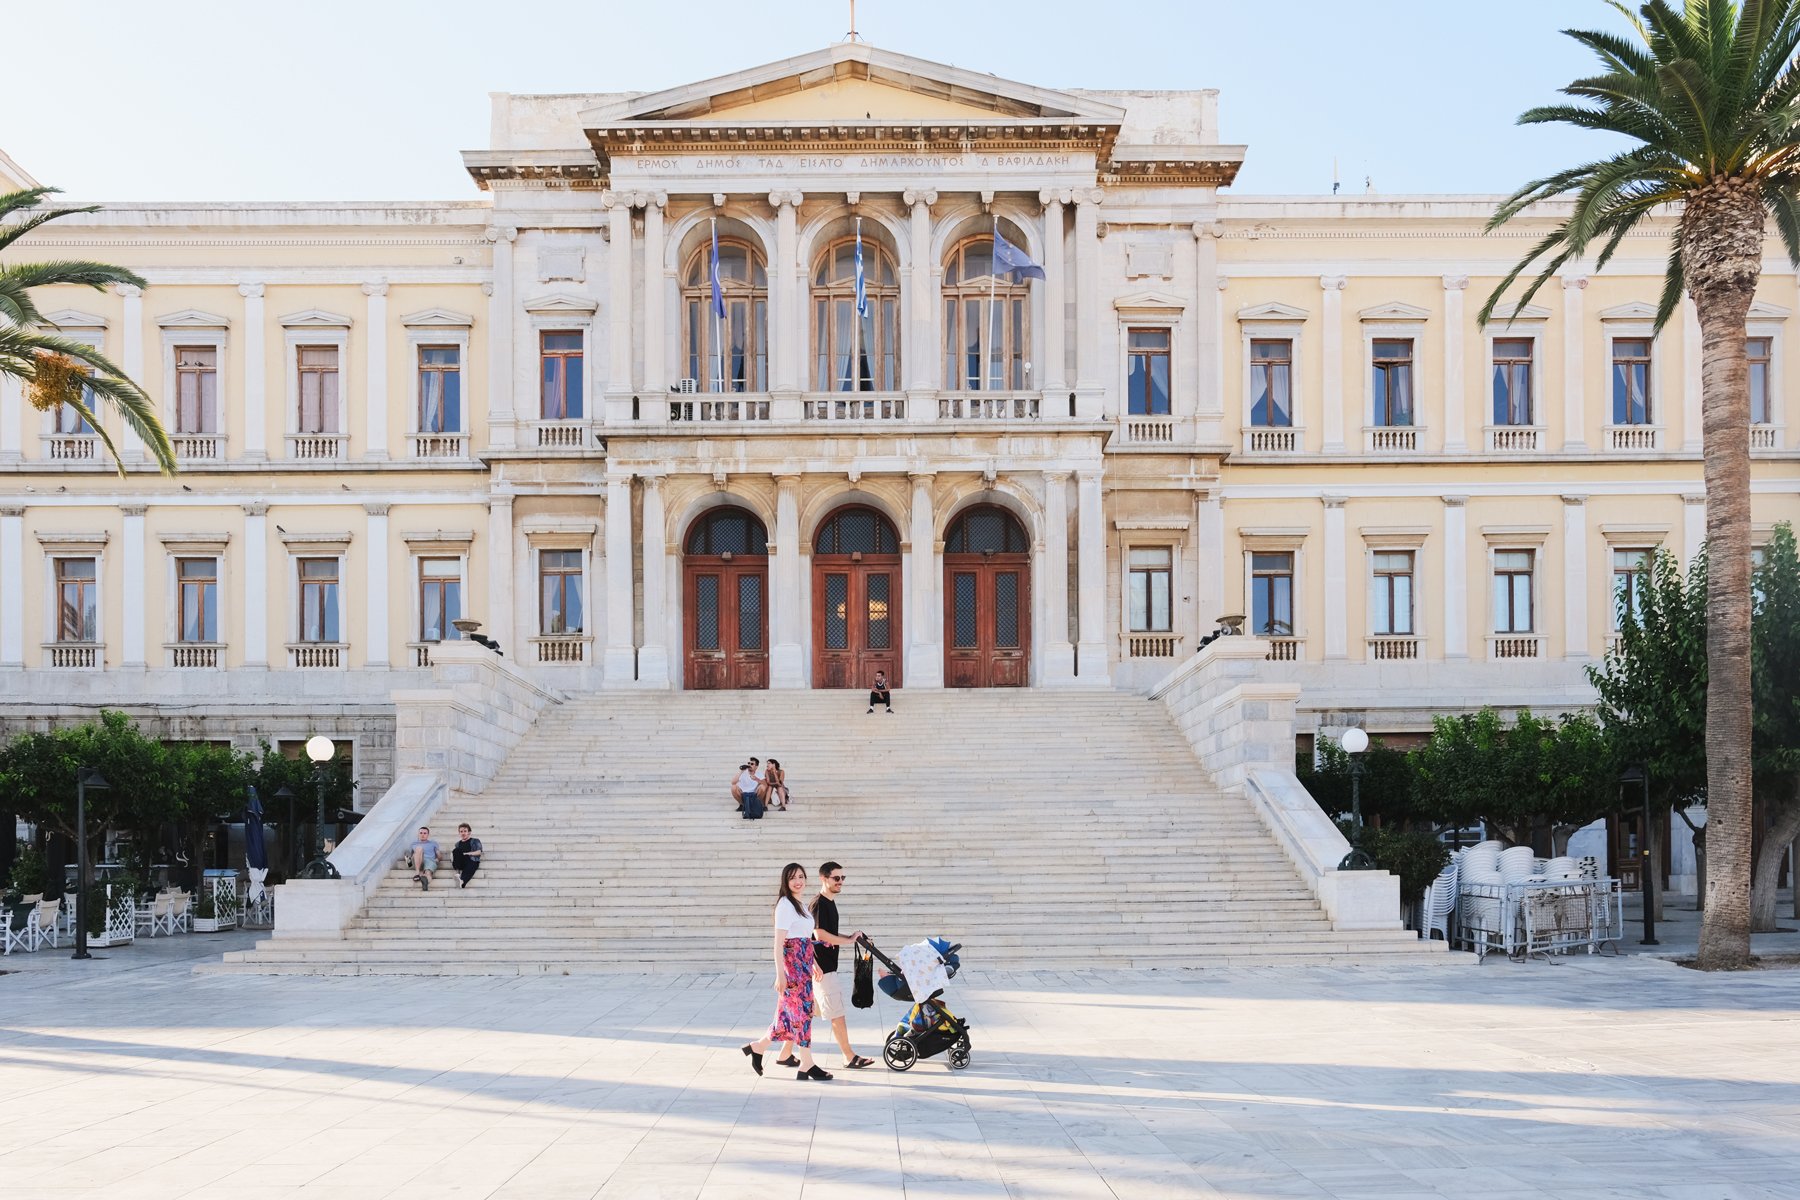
x=561, y=302
x=193, y=318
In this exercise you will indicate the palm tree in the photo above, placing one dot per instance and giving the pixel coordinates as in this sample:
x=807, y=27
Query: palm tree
x=1708, y=93
x=57, y=370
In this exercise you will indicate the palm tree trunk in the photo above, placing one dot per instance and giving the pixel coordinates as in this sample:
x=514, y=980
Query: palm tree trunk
x=1722, y=237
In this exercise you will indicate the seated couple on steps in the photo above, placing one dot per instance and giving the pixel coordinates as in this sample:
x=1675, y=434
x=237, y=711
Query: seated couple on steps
x=465, y=856
x=755, y=786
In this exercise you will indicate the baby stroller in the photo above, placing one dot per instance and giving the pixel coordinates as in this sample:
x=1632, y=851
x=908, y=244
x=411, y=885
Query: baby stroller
x=928, y=1028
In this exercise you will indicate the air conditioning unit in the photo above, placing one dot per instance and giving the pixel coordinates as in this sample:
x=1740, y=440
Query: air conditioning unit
x=688, y=387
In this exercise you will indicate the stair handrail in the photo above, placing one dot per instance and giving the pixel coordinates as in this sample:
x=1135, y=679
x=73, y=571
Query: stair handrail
x=323, y=908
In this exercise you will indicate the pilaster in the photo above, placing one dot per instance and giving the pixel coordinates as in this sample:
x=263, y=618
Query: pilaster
x=787, y=659
x=256, y=369
x=1456, y=577
x=12, y=586
x=1331, y=360
x=502, y=432
x=618, y=308
x=1059, y=654
x=921, y=339
x=1053, y=364
x=1693, y=525
x=1209, y=555
x=1090, y=378
x=133, y=587
x=501, y=617
x=131, y=356
x=620, y=661
x=12, y=426
x=1337, y=580
x=653, y=656
x=1455, y=398
x=1090, y=651
x=656, y=283
x=925, y=647
x=256, y=586
x=1691, y=423
x=1574, y=573
x=787, y=338
x=1209, y=401
x=375, y=391
x=376, y=570
x=1574, y=398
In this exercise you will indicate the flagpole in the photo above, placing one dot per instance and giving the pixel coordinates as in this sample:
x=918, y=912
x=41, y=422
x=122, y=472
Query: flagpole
x=856, y=325
x=718, y=316
x=993, y=283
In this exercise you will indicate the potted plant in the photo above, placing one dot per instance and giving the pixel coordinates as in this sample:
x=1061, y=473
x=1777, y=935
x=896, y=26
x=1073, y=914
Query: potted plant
x=111, y=919
x=206, y=912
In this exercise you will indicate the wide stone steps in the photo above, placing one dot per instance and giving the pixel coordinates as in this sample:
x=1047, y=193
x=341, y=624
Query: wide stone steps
x=1042, y=830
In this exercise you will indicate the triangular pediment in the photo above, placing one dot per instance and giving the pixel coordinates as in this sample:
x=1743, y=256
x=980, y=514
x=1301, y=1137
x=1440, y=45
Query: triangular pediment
x=74, y=318
x=1764, y=311
x=561, y=302
x=1272, y=310
x=1635, y=310
x=13, y=177
x=1509, y=311
x=1150, y=302
x=315, y=318
x=443, y=317
x=193, y=318
x=851, y=81
x=1395, y=310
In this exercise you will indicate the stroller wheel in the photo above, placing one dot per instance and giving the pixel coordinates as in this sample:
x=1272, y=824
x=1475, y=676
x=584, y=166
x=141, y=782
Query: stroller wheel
x=899, y=1053
x=959, y=1054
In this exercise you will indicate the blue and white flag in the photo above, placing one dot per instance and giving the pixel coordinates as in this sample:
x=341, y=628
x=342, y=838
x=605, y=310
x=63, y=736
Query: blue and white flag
x=1008, y=257
x=862, y=290
x=718, y=296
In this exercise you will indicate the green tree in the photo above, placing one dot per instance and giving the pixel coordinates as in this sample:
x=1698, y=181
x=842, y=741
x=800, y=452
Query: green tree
x=1775, y=638
x=1387, y=783
x=37, y=771
x=1536, y=773
x=56, y=370
x=1706, y=93
x=212, y=781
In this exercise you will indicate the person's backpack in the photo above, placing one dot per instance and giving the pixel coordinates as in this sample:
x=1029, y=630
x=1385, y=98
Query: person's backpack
x=753, y=805
x=862, y=981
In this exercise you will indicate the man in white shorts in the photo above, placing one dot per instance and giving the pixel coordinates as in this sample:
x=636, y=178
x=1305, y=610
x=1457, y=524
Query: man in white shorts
x=831, y=1001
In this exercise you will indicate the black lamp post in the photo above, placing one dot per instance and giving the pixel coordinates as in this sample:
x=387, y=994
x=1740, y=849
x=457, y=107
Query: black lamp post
x=287, y=832
x=320, y=750
x=85, y=778
x=1354, y=742
x=1647, y=888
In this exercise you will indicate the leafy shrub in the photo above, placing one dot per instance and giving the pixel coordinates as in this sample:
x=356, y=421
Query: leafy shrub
x=1415, y=857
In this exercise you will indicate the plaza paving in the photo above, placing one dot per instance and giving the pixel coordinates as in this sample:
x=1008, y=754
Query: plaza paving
x=132, y=1078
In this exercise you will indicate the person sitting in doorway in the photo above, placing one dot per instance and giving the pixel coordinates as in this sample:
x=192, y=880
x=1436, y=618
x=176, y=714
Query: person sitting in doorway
x=465, y=856
x=879, y=694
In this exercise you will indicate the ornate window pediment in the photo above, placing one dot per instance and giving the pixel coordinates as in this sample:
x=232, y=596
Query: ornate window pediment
x=1514, y=312
x=443, y=318
x=315, y=318
x=560, y=302
x=1395, y=310
x=1151, y=303
x=192, y=318
x=1272, y=310
x=1760, y=310
x=1635, y=310
x=73, y=318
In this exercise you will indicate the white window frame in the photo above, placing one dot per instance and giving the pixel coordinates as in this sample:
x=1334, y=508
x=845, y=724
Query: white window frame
x=177, y=546
x=93, y=336
x=318, y=545
x=1293, y=542
x=316, y=329
x=435, y=544
x=1377, y=329
x=1149, y=318
x=558, y=313
x=1395, y=541
x=1628, y=537
x=539, y=543
x=178, y=331
x=447, y=335
x=1759, y=326
x=1254, y=326
x=1533, y=540
x=1519, y=329
x=1635, y=329
x=1169, y=540
x=74, y=545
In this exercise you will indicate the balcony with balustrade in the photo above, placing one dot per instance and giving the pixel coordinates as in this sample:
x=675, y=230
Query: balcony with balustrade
x=72, y=447
x=1393, y=439
x=1274, y=439
x=74, y=656
x=564, y=649
x=317, y=447
x=317, y=656
x=1393, y=648
x=195, y=656
x=1153, y=645
x=1512, y=646
x=1634, y=439
x=439, y=445
x=1515, y=439
x=198, y=447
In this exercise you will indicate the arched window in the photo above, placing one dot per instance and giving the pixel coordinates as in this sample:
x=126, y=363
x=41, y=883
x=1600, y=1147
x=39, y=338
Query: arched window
x=728, y=530
x=839, y=337
x=987, y=321
x=987, y=530
x=728, y=353
x=856, y=530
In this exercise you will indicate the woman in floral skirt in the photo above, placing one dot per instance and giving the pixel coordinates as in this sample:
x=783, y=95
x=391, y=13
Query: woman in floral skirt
x=794, y=934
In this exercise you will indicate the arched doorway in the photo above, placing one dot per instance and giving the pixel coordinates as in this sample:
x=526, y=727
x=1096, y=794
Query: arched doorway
x=724, y=601
x=987, y=600
x=856, y=599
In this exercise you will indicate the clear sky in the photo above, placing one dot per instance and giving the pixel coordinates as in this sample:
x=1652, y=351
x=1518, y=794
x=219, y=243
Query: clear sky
x=373, y=99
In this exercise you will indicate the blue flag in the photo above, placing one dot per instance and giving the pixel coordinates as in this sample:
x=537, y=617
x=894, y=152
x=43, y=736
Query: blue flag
x=718, y=296
x=1008, y=257
x=862, y=291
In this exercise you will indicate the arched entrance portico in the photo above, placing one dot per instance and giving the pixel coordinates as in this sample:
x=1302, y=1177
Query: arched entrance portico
x=725, y=601
x=856, y=599
x=987, y=600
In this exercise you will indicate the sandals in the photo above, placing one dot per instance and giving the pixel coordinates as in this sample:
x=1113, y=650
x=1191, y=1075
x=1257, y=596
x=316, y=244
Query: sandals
x=789, y=1061
x=859, y=1062
x=755, y=1058
x=816, y=1075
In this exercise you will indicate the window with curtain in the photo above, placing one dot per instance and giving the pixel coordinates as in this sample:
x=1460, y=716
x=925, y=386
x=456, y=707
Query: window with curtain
x=77, y=600
x=1759, y=351
x=559, y=591
x=196, y=389
x=318, y=600
x=440, y=389
x=1393, y=365
x=1393, y=592
x=1151, y=571
x=1272, y=594
x=440, y=599
x=729, y=353
x=1631, y=381
x=1631, y=575
x=1512, y=381
x=987, y=320
x=560, y=354
x=199, y=583
x=1513, y=571
x=851, y=353
x=318, y=367
x=1272, y=383
x=1147, y=353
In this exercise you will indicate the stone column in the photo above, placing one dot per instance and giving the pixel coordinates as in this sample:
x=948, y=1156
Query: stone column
x=501, y=617
x=1574, y=573
x=618, y=308
x=1574, y=396
x=11, y=419
x=620, y=660
x=1456, y=577
x=1090, y=378
x=375, y=392
x=653, y=658
x=921, y=336
x=656, y=297
x=1090, y=574
x=1331, y=360
x=925, y=645
x=12, y=586
x=131, y=359
x=1053, y=364
x=1693, y=525
x=1209, y=405
x=1059, y=654
x=376, y=569
x=1691, y=439
x=1209, y=554
x=256, y=586
x=256, y=371
x=787, y=658
x=787, y=337
x=134, y=584
x=1455, y=399
x=502, y=433
x=1337, y=580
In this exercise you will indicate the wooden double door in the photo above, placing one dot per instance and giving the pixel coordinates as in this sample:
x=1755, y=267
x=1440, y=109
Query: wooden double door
x=987, y=600
x=856, y=621
x=726, y=605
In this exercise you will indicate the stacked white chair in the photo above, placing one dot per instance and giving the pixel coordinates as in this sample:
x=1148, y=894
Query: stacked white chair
x=180, y=913
x=46, y=927
x=1440, y=900
x=1480, y=867
x=18, y=929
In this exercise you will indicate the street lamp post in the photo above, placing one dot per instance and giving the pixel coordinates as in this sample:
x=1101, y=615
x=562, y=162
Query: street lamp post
x=320, y=750
x=1647, y=875
x=85, y=778
x=1354, y=742
x=287, y=832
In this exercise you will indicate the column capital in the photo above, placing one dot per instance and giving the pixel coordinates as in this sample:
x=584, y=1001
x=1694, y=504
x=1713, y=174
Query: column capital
x=133, y=510
x=1574, y=501
x=1224, y=282
x=1333, y=501
x=487, y=287
x=921, y=478
x=1455, y=501
x=378, y=287
x=1455, y=283
x=1057, y=476
x=787, y=198
x=1049, y=196
x=132, y=291
x=649, y=200
x=256, y=508
x=12, y=510
x=611, y=199
x=249, y=291
x=499, y=500
x=917, y=196
x=787, y=481
x=500, y=233
x=1089, y=197
x=1334, y=283
x=652, y=483
x=1089, y=475
x=1208, y=229
x=1575, y=282
x=377, y=508
x=1693, y=498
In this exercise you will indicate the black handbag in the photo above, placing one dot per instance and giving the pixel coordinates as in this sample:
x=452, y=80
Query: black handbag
x=862, y=983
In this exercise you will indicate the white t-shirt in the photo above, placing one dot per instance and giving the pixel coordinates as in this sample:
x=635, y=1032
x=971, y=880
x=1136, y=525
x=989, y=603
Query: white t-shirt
x=748, y=782
x=793, y=924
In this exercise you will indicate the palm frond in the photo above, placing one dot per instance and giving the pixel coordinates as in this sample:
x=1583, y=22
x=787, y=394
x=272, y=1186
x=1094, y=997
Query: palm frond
x=94, y=423
x=1674, y=283
x=19, y=349
x=73, y=272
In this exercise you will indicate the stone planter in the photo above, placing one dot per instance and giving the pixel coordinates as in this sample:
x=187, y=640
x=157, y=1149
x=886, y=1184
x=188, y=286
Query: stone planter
x=209, y=924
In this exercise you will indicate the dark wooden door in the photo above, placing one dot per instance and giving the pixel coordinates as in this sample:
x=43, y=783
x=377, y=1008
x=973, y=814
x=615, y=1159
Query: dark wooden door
x=987, y=620
x=856, y=620
x=725, y=606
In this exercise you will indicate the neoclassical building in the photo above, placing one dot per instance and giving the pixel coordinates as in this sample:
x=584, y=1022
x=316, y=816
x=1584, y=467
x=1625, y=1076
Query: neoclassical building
x=533, y=409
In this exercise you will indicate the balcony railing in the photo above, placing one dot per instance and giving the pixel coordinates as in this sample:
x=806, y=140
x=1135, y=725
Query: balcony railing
x=1273, y=440
x=75, y=656
x=854, y=406
x=317, y=447
x=1514, y=439
x=72, y=447
x=1153, y=645
x=1149, y=431
x=421, y=653
x=1285, y=649
x=1393, y=647
x=561, y=647
x=440, y=445
x=1765, y=437
x=1634, y=437
x=562, y=435
x=198, y=447
x=1391, y=439
x=988, y=406
x=719, y=408
x=316, y=655
x=1515, y=645
x=195, y=655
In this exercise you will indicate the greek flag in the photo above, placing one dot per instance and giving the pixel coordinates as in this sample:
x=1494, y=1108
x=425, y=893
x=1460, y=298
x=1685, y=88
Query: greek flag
x=718, y=296
x=1009, y=258
x=862, y=290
